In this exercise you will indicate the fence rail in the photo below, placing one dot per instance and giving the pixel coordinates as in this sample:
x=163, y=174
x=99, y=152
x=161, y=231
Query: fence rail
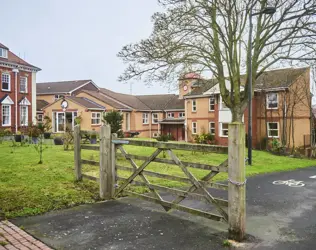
x=113, y=164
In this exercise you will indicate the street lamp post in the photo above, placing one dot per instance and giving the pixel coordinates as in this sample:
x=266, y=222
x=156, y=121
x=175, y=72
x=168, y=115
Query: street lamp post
x=268, y=11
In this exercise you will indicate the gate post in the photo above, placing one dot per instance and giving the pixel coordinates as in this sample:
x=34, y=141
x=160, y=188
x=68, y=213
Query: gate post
x=106, y=172
x=77, y=153
x=236, y=181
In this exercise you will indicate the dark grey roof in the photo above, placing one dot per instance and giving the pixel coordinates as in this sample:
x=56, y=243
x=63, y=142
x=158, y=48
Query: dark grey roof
x=172, y=121
x=147, y=102
x=268, y=80
x=85, y=102
x=129, y=100
x=62, y=87
x=40, y=104
x=105, y=99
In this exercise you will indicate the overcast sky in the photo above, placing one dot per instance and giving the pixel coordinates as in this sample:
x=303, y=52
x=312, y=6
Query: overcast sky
x=77, y=39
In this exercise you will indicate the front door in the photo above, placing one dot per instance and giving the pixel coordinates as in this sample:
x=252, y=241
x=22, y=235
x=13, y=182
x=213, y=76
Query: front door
x=60, y=120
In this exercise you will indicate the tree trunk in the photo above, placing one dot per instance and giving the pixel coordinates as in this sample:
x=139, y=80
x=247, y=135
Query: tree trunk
x=237, y=114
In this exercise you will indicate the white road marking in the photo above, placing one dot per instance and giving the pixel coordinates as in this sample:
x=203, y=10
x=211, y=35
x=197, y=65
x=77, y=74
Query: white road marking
x=290, y=183
x=313, y=177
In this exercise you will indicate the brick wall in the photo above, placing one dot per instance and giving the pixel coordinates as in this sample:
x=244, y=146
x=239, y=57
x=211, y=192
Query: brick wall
x=11, y=93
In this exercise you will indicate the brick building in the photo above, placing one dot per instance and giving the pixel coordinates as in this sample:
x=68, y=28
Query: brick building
x=281, y=107
x=17, y=92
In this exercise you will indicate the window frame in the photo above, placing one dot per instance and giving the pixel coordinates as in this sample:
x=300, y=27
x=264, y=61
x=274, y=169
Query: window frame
x=4, y=53
x=170, y=115
x=58, y=97
x=2, y=113
x=194, y=128
x=221, y=129
x=211, y=128
x=145, y=119
x=153, y=119
x=211, y=104
x=38, y=118
x=9, y=81
x=23, y=77
x=182, y=115
x=277, y=100
x=278, y=129
x=96, y=118
x=194, y=105
x=26, y=115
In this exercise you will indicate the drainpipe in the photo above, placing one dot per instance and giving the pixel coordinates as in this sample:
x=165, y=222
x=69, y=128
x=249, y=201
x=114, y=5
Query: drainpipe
x=150, y=122
x=16, y=71
x=186, y=121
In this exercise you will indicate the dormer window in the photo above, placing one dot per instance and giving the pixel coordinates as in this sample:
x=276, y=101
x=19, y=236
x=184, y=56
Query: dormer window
x=3, y=53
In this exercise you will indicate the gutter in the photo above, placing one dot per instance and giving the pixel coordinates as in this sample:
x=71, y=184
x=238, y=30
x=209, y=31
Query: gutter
x=16, y=71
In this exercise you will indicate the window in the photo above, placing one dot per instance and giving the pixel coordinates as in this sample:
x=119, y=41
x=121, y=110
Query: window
x=3, y=53
x=145, y=118
x=194, y=128
x=193, y=105
x=155, y=135
x=40, y=118
x=95, y=118
x=23, y=115
x=182, y=114
x=170, y=115
x=5, y=79
x=6, y=115
x=273, y=129
x=212, y=103
x=272, y=100
x=154, y=118
x=58, y=97
x=224, y=129
x=212, y=128
x=23, y=84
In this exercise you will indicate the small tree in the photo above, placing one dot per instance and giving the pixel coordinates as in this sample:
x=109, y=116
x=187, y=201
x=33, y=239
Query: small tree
x=115, y=120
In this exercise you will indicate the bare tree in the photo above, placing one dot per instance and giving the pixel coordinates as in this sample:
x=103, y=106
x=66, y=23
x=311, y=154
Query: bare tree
x=211, y=35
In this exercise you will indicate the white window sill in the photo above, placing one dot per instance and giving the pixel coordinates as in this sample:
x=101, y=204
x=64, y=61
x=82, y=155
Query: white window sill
x=224, y=136
x=145, y=123
x=6, y=90
x=272, y=108
x=6, y=125
x=22, y=92
x=274, y=137
x=211, y=110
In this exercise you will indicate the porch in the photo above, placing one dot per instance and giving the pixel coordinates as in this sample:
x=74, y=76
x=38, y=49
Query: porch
x=174, y=128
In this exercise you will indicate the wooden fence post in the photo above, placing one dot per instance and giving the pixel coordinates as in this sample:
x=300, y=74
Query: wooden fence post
x=77, y=153
x=113, y=162
x=106, y=172
x=236, y=182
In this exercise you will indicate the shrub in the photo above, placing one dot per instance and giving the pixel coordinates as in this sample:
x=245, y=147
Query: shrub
x=204, y=138
x=164, y=138
x=115, y=120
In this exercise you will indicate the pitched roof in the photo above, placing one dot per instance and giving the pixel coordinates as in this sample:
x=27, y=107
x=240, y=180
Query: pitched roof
x=13, y=58
x=162, y=102
x=146, y=102
x=40, y=104
x=85, y=102
x=62, y=87
x=279, y=78
x=105, y=99
x=129, y=100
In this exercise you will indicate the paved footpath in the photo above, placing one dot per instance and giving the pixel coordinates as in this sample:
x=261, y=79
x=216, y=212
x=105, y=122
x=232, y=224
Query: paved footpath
x=13, y=238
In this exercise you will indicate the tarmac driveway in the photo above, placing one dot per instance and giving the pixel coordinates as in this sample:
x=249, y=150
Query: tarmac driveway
x=278, y=216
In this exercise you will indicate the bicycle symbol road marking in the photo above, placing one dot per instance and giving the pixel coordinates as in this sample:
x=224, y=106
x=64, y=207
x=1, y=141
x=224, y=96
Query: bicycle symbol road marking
x=290, y=183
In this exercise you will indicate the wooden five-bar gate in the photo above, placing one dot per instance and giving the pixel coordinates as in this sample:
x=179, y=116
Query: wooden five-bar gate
x=112, y=184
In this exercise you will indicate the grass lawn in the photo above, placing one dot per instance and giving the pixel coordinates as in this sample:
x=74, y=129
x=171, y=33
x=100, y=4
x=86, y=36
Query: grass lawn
x=28, y=188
